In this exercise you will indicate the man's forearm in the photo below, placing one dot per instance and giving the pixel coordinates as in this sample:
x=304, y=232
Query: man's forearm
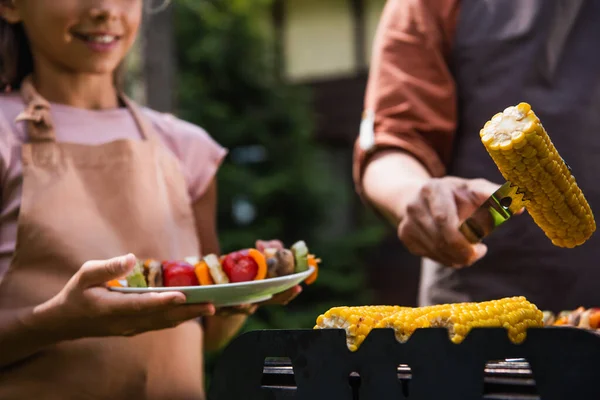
x=391, y=179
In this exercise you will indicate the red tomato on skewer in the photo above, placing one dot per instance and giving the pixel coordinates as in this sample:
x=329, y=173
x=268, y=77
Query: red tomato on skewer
x=245, y=265
x=179, y=273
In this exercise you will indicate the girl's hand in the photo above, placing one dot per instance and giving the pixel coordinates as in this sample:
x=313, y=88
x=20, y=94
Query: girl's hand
x=432, y=218
x=87, y=308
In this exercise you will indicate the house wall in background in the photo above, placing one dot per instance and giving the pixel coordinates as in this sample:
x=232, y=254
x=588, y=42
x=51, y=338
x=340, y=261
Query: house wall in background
x=317, y=39
x=373, y=9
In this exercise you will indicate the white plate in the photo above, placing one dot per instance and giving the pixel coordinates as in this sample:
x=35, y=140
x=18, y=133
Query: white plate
x=230, y=294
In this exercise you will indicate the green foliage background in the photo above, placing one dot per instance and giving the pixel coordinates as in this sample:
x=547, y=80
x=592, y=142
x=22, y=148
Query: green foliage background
x=227, y=84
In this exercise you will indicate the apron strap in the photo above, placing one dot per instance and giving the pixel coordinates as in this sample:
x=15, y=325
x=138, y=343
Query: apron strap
x=141, y=121
x=40, y=127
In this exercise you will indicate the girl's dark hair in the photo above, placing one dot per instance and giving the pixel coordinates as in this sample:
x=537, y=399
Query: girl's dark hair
x=16, y=61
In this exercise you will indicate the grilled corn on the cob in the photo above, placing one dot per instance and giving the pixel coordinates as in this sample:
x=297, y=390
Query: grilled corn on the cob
x=525, y=155
x=356, y=321
x=516, y=314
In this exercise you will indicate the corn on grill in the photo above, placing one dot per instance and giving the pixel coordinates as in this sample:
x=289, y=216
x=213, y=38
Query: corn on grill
x=356, y=321
x=515, y=314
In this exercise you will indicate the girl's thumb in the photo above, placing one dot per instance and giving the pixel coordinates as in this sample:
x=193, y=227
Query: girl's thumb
x=99, y=272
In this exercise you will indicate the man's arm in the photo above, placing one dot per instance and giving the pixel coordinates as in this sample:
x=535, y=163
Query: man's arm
x=389, y=189
x=411, y=94
x=407, y=135
x=218, y=330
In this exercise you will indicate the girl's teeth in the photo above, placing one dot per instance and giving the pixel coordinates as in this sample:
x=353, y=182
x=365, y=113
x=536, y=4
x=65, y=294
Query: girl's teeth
x=101, y=39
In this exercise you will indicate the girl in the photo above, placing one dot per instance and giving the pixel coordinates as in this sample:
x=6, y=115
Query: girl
x=86, y=175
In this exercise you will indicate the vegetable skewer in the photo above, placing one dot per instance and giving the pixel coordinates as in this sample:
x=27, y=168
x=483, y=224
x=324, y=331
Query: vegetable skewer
x=268, y=260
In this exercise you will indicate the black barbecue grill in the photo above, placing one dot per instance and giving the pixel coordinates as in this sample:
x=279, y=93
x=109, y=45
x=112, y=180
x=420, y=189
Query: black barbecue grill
x=551, y=364
x=503, y=380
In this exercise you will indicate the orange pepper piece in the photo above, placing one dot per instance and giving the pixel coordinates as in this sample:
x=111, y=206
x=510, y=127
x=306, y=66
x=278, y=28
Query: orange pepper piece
x=595, y=320
x=561, y=321
x=114, y=283
x=203, y=274
x=312, y=262
x=261, y=261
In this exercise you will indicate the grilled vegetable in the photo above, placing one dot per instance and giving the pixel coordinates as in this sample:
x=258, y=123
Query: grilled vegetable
x=215, y=269
x=313, y=262
x=114, y=283
x=245, y=265
x=203, y=274
x=584, y=320
x=272, y=262
x=574, y=317
x=179, y=273
x=136, y=277
x=562, y=319
x=260, y=261
x=279, y=262
x=593, y=318
x=356, y=321
x=153, y=273
x=300, y=252
x=549, y=318
x=525, y=155
x=514, y=313
x=579, y=318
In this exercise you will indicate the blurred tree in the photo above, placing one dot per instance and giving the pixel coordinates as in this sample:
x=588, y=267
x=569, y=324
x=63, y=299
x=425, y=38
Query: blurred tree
x=151, y=64
x=272, y=184
x=159, y=67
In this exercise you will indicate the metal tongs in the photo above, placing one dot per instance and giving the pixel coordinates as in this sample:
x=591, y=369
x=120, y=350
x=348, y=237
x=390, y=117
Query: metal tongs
x=496, y=210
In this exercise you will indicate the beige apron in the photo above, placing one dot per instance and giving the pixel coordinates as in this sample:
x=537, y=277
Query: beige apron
x=84, y=202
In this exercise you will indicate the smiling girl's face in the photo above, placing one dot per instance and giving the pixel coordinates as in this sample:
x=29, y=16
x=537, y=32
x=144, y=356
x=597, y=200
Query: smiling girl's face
x=77, y=36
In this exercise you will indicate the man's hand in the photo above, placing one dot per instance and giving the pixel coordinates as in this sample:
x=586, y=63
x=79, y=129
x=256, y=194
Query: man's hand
x=432, y=218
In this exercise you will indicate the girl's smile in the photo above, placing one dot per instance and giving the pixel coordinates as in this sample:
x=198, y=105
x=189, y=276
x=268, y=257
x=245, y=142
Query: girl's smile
x=77, y=47
x=98, y=41
x=77, y=36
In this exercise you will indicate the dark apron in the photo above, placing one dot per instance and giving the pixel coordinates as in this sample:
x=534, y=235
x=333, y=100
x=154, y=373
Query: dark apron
x=546, y=53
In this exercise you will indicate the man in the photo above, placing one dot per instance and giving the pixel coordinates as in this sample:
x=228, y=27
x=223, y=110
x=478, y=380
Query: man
x=440, y=70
